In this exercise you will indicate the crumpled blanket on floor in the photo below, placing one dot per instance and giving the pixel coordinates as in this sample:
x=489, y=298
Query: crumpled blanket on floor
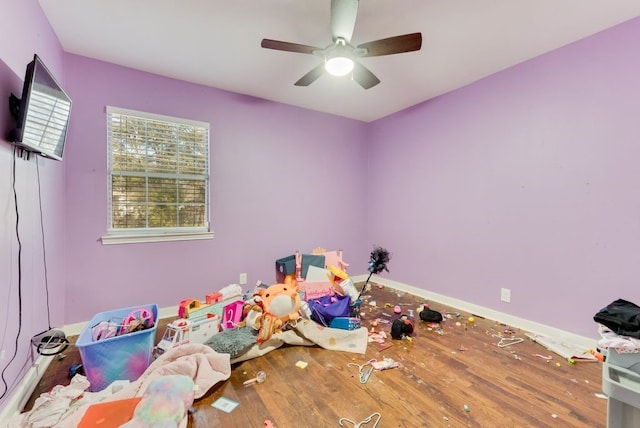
x=165, y=403
x=310, y=333
x=201, y=363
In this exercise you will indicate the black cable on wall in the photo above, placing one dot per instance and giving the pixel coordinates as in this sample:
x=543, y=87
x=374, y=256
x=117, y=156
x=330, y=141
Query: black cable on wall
x=44, y=251
x=15, y=351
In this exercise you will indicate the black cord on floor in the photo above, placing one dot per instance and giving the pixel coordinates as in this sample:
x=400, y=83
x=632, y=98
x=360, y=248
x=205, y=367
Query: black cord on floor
x=15, y=351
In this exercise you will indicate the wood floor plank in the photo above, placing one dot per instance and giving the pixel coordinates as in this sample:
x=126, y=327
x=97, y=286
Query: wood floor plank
x=460, y=378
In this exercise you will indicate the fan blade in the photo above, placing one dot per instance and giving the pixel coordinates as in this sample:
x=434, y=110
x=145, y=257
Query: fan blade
x=343, y=18
x=364, y=76
x=311, y=76
x=393, y=45
x=287, y=46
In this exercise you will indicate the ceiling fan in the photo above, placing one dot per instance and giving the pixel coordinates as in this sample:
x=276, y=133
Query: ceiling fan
x=340, y=57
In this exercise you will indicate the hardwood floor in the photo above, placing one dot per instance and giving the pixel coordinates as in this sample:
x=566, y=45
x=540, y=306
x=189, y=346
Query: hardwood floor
x=458, y=378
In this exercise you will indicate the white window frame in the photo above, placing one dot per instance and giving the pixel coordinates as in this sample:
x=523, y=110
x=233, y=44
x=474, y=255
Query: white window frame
x=137, y=235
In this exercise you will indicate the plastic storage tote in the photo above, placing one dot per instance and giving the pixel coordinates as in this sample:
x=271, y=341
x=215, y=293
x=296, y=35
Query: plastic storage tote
x=628, y=360
x=122, y=357
x=621, y=383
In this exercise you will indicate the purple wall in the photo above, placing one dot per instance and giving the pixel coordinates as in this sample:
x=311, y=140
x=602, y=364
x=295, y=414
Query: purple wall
x=526, y=180
x=25, y=31
x=27, y=277
x=282, y=179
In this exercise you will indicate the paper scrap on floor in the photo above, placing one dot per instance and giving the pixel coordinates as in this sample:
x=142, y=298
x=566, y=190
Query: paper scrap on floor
x=563, y=348
x=225, y=404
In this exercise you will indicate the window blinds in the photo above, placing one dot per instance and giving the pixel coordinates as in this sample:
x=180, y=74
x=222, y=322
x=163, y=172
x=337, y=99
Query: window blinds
x=158, y=172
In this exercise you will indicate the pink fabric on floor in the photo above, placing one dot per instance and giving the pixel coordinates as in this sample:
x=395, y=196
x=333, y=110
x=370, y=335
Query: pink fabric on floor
x=199, y=362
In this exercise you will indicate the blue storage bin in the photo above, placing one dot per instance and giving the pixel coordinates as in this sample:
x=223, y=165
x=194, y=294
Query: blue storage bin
x=123, y=357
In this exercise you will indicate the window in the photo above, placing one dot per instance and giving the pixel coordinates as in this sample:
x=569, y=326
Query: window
x=158, y=178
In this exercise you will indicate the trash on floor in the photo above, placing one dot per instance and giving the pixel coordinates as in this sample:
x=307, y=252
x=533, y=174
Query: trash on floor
x=225, y=404
x=563, y=348
x=372, y=417
x=260, y=377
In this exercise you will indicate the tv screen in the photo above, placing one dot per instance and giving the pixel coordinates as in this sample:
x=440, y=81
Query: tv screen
x=42, y=114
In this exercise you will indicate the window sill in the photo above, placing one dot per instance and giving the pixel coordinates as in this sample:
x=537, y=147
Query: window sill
x=164, y=237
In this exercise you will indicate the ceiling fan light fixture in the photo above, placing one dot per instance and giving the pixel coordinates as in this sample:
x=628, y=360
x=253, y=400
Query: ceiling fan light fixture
x=341, y=58
x=339, y=65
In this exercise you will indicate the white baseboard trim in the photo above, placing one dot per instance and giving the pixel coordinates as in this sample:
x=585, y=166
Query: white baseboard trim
x=507, y=319
x=24, y=389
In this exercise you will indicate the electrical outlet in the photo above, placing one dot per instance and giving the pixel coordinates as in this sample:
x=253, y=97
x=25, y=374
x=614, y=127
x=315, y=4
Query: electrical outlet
x=2, y=354
x=505, y=295
x=243, y=278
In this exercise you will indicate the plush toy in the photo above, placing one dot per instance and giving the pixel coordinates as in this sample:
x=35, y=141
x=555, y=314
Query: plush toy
x=401, y=328
x=270, y=308
x=281, y=301
x=251, y=315
x=165, y=403
x=265, y=313
x=265, y=324
x=269, y=325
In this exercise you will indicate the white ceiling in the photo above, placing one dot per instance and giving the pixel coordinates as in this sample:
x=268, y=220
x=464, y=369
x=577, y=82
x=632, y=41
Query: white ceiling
x=217, y=43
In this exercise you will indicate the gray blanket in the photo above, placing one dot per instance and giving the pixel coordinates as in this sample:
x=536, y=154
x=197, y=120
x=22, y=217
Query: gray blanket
x=241, y=343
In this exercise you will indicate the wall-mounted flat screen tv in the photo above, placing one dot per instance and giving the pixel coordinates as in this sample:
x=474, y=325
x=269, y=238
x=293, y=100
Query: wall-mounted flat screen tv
x=42, y=114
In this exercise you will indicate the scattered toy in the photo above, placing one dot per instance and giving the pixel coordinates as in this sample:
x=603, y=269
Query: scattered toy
x=260, y=377
x=385, y=347
x=544, y=357
x=385, y=364
x=76, y=369
x=363, y=422
x=364, y=370
x=430, y=315
x=507, y=341
x=402, y=327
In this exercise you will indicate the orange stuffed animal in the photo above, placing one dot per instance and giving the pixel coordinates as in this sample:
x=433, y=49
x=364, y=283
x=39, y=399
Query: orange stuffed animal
x=281, y=301
x=269, y=309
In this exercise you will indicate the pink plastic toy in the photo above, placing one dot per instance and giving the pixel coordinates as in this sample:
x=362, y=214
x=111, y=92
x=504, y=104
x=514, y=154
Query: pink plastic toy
x=138, y=319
